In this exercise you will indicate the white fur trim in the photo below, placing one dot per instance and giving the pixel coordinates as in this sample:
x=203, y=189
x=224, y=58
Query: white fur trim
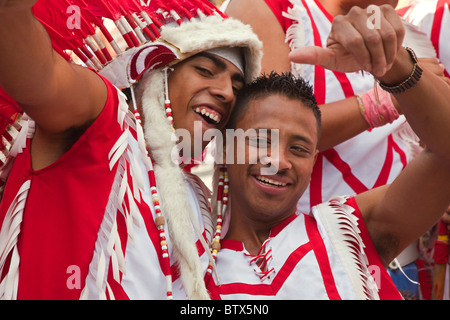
x=412, y=142
x=296, y=33
x=171, y=185
x=213, y=32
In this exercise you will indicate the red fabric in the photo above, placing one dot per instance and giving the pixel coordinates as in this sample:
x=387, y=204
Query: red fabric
x=425, y=277
x=442, y=248
x=277, y=8
x=63, y=212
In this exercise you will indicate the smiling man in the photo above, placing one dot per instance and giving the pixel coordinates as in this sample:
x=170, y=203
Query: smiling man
x=207, y=84
x=94, y=207
x=340, y=249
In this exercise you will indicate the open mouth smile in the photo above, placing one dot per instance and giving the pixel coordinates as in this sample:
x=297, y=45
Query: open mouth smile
x=210, y=115
x=272, y=185
x=270, y=182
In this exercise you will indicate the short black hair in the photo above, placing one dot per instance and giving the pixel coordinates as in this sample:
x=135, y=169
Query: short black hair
x=285, y=84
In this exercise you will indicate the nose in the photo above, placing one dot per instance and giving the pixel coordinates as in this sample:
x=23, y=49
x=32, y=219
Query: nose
x=278, y=159
x=222, y=88
x=283, y=161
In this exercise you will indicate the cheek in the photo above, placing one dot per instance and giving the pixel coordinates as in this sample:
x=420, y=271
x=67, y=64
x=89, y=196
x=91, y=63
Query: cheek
x=304, y=173
x=178, y=96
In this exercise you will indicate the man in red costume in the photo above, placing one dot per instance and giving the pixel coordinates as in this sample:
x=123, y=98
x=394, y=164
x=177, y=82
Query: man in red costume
x=94, y=205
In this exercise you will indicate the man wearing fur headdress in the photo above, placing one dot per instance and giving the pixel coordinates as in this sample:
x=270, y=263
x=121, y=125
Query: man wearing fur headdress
x=95, y=206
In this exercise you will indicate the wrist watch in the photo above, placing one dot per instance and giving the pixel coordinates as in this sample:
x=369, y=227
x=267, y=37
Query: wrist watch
x=410, y=82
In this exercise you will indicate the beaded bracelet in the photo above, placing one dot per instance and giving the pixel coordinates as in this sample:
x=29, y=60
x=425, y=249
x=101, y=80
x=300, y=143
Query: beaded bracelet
x=410, y=82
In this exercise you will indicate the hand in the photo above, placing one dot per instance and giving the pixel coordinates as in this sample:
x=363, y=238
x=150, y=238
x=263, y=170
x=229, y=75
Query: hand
x=353, y=46
x=433, y=65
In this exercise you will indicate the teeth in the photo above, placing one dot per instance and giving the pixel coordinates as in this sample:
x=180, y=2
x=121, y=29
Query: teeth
x=270, y=181
x=203, y=112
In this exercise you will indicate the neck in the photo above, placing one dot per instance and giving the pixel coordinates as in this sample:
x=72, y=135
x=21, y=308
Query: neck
x=248, y=232
x=248, y=227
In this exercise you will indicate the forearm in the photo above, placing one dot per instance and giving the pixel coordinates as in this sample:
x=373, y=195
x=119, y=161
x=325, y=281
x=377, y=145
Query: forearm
x=264, y=23
x=26, y=56
x=23, y=43
x=56, y=94
x=341, y=120
x=426, y=105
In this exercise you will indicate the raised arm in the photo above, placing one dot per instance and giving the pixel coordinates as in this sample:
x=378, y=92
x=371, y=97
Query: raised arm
x=56, y=94
x=398, y=214
x=336, y=116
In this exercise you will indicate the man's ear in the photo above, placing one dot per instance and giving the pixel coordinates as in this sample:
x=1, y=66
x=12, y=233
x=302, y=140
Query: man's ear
x=316, y=153
x=226, y=148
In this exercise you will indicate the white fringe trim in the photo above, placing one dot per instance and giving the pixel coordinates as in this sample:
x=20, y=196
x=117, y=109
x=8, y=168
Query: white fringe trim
x=298, y=35
x=108, y=245
x=407, y=135
x=295, y=34
x=10, y=230
x=342, y=227
x=8, y=243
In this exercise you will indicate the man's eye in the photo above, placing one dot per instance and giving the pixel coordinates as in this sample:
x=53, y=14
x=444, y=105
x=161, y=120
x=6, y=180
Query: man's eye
x=259, y=142
x=236, y=89
x=204, y=71
x=299, y=150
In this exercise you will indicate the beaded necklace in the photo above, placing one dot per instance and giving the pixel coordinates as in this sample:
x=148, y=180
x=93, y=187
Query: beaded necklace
x=159, y=218
x=222, y=203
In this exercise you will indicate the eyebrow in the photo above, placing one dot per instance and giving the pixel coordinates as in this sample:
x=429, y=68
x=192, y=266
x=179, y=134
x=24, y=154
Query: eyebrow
x=295, y=136
x=221, y=65
x=302, y=138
